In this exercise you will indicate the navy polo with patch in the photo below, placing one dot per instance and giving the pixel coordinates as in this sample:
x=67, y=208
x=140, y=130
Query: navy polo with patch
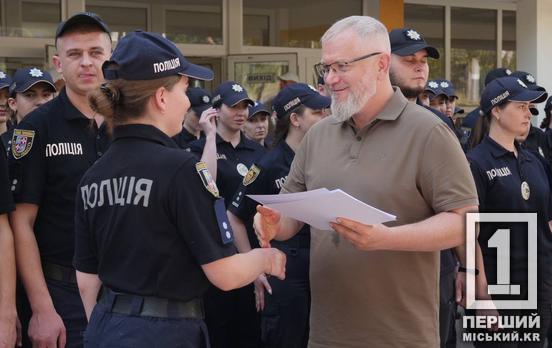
x=499, y=176
x=50, y=151
x=232, y=162
x=267, y=176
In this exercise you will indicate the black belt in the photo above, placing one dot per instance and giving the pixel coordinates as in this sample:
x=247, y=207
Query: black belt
x=148, y=306
x=58, y=272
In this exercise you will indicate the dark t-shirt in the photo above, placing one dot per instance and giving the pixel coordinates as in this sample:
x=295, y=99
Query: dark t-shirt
x=145, y=222
x=50, y=151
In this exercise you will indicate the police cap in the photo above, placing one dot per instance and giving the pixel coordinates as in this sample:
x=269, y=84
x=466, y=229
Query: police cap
x=82, y=18
x=230, y=93
x=5, y=80
x=507, y=89
x=257, y=108
x=406, y=41
x=296, y=94
x=25, y=78
x=142, y=55
x=200, y=99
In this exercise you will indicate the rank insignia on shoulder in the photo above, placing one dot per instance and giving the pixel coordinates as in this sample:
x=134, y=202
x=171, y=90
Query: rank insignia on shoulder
x=251, y=175
x=22, y=142
x=207, y=179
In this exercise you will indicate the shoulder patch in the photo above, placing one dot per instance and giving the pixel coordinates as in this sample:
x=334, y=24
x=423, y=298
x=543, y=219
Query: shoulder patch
x=251, y=175
x=22, y=142
x=207, y=179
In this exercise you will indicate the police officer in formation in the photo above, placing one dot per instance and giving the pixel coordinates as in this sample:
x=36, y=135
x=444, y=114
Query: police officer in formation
x=230, y=316
x=50, y=150
x=511, y=179
x=8, y=313
x=285, y=305
x=31, y=87
x=256, y=126
x=5, y=82
x=200, y=101
x=148, y=197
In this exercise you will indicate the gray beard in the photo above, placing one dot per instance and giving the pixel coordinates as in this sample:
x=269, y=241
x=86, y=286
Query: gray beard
x=343, y=111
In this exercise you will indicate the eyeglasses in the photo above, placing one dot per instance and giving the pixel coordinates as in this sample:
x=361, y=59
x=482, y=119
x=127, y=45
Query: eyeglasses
x=339, y=66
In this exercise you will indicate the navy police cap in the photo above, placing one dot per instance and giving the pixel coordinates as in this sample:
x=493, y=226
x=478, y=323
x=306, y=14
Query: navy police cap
x=82, y=18
x=5, y=80
x=298, y=94
x=548, y=106
x=230, y=93
x=142, y=55
x=528, y=79
x=434, y=88
x=200, y=99
x=257, y=108
x=508, y=89
x=406, y=41
x=496, y=73
x=25, y=78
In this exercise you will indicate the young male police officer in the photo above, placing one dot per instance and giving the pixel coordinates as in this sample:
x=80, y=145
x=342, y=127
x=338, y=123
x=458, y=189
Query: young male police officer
x=409, y=71
x=51, y=149
x=392, y=154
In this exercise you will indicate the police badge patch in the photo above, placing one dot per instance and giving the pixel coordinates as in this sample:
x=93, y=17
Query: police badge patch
x=207, y=179
x=22, y=142
x=251, y=175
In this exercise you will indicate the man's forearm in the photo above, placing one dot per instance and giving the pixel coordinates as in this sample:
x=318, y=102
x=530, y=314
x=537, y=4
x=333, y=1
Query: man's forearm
x=7, y=268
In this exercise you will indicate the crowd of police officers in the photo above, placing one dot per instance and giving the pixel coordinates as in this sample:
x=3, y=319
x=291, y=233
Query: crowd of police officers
x=116, y=223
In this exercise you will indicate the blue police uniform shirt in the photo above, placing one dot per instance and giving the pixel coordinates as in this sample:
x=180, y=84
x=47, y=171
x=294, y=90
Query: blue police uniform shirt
x=6, y=201
x=145, y=222
x=184, y=138
x=266, y=177
x=51, y=149
x=232, y=162
x=537, y=143
x=6, y=139
x=498, y=176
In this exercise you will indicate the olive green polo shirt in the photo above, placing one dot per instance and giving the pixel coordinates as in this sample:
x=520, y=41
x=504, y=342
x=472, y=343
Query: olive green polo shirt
x=406, y=162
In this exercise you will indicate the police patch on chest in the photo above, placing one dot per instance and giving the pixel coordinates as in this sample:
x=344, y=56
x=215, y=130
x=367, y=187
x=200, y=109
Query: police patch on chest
x=22, y=142
x=207, y=179
x=251, y=175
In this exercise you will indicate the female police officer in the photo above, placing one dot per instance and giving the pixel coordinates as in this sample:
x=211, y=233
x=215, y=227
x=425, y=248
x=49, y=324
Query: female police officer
x=230, y=316
x=285, y=317
x=510, y=179
x=149, y=224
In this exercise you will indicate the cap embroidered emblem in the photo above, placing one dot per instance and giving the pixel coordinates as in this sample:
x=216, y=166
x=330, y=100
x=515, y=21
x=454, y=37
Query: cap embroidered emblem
x=521, y=83
x=2, y=75
x=413, y=35
x=237, y=88
x=444, y=84
x=205, y=99
x=530, y=78
x=508, y=72
x=34, y=72
x=433, y=84
x=311, y=87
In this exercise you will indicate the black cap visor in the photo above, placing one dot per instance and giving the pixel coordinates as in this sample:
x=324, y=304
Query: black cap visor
x=197, y=72
x=409, y=49
x=316, y=101
x=528, y=95
x=26, y=86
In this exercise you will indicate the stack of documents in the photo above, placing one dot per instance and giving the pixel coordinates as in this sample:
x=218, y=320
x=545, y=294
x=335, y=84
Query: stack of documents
x=320, y=207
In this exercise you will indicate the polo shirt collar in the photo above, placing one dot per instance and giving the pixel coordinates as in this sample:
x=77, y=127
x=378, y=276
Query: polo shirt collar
x=143, y=131
x=70, y=112
x=392, y=110
x=498, y=151
x=244, y=142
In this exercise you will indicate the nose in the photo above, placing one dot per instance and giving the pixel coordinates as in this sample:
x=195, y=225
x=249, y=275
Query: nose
x=85, y=60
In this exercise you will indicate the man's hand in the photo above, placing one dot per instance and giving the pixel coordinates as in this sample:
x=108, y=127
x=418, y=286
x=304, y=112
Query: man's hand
x=266, y=224
x=460, y=286
x=207, y=121
x=275, y=263
x=46, y=330
x=261, y=283
x=363, y=237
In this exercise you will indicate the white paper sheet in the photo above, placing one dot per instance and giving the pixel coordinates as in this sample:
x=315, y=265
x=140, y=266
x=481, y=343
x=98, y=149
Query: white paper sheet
x=319, y=207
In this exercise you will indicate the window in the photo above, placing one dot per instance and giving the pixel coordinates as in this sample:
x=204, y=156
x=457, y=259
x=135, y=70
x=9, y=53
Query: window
x=26, y=18
x=121, y=19
x=473, y=51
x=289, y=23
